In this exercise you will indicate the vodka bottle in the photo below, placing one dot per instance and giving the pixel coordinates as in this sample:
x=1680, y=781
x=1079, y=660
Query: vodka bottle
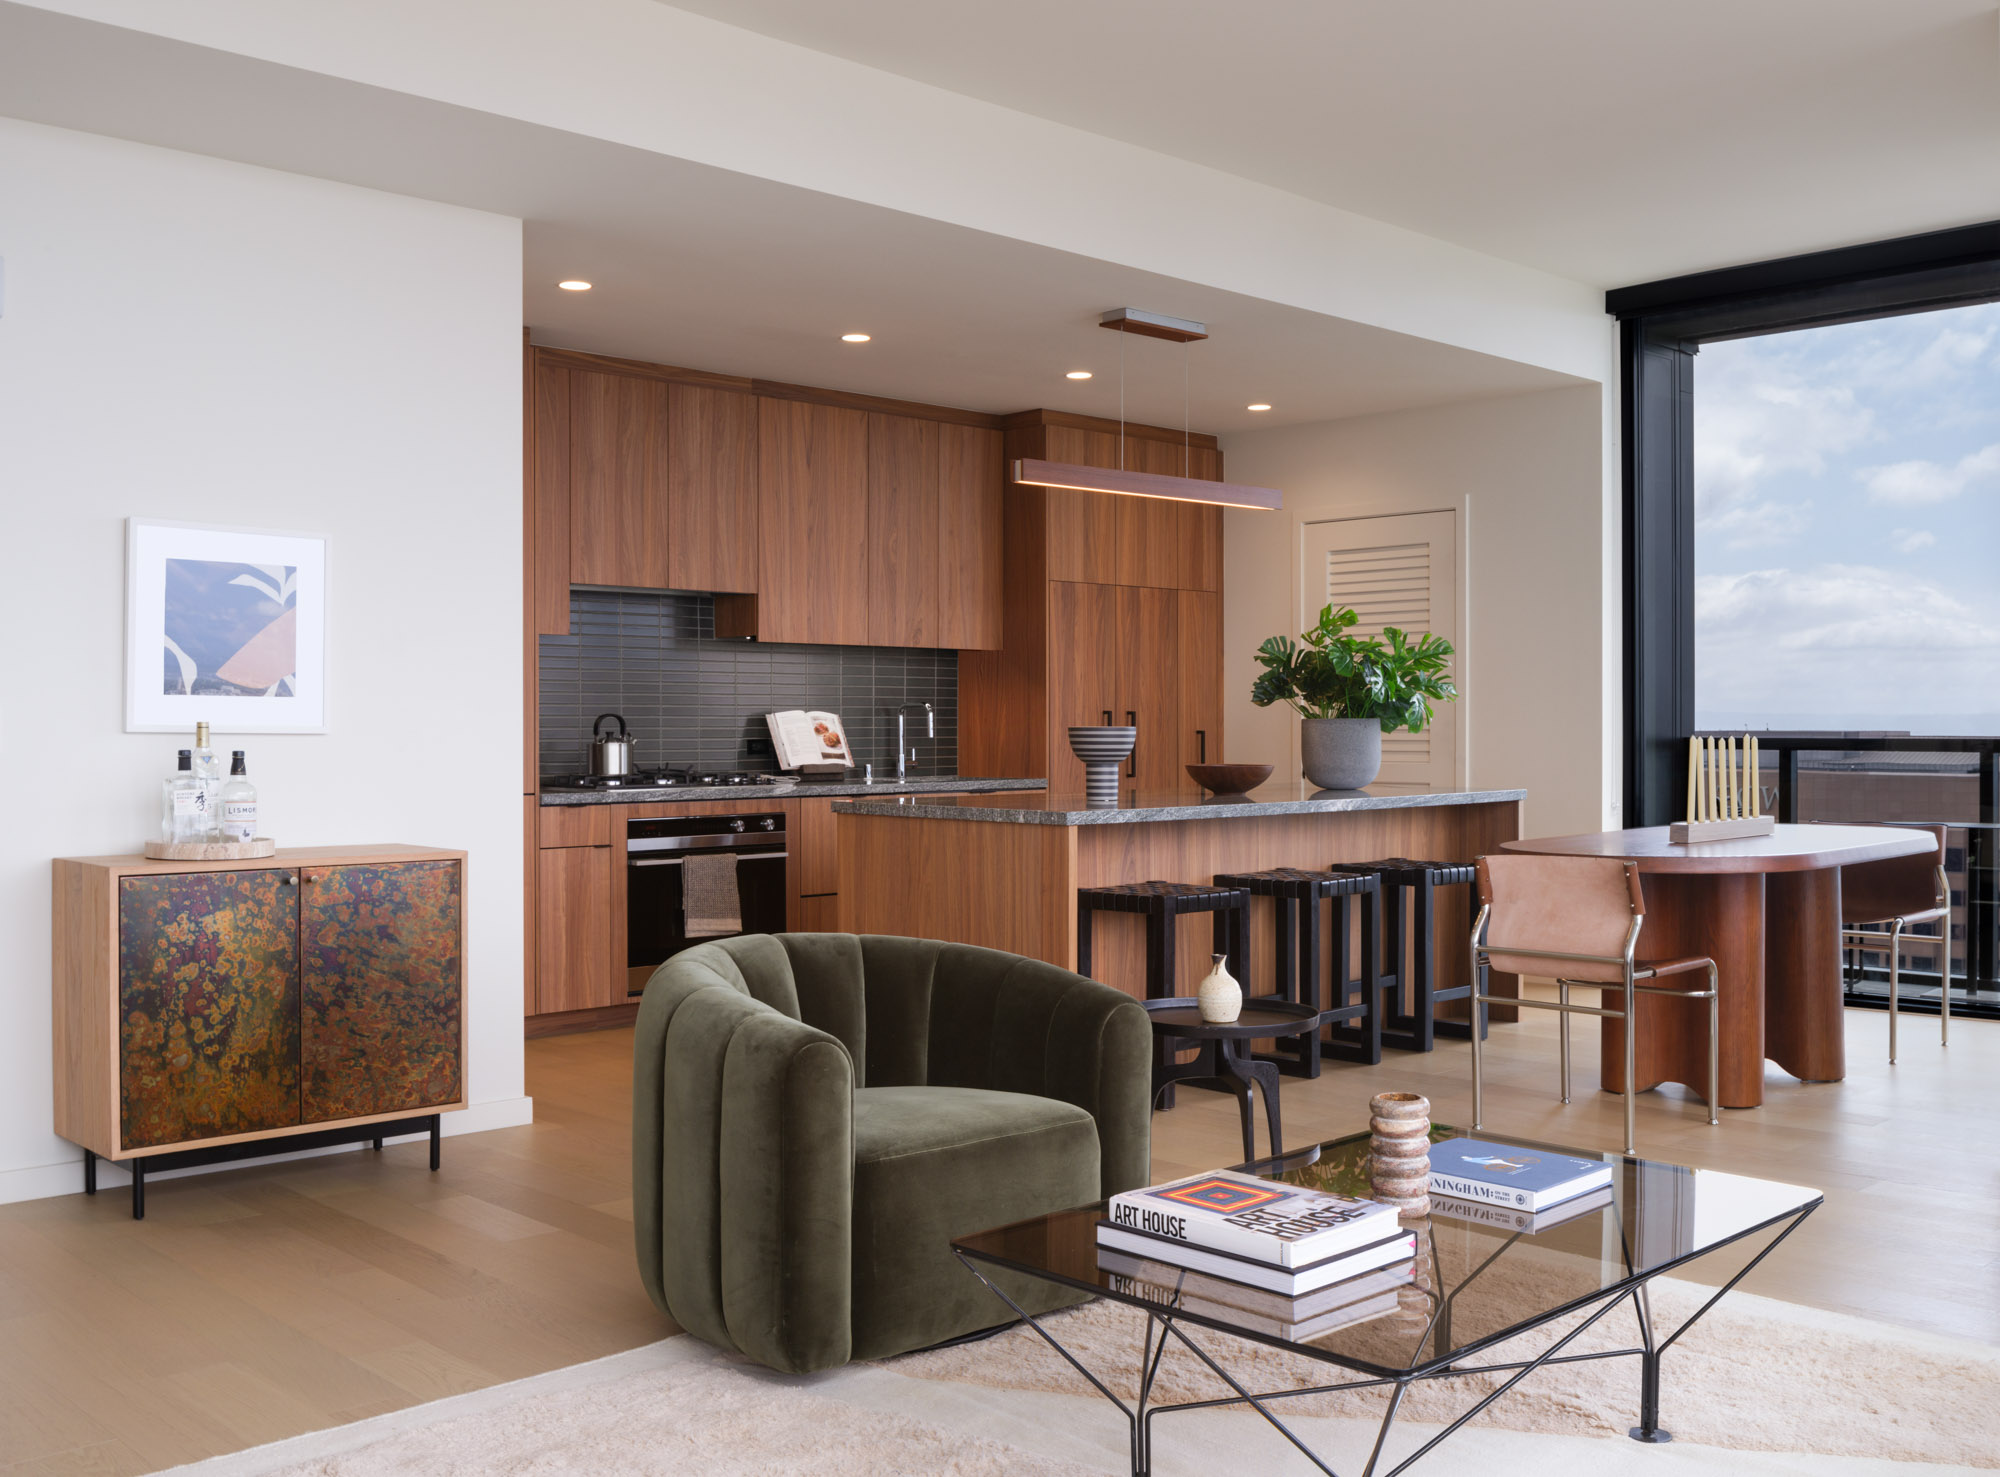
x=239, y=802
x=208, y=775
x=180, y=805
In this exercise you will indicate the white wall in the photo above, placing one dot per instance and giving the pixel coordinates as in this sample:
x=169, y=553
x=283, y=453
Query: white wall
x=189, y=339
x=1527, y=475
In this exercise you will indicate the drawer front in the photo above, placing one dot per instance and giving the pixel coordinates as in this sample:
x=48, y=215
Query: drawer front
x=208, y=1005
x=381, y=988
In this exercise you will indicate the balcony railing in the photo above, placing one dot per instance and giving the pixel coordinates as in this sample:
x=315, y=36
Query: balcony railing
x=1909, y=780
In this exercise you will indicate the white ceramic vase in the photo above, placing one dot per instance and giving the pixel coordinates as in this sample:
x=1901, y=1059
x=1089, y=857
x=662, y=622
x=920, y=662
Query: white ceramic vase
x=1220, y=998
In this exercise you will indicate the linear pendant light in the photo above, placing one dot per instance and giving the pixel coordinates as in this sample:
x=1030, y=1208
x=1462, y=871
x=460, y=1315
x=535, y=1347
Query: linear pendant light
x=1183, y=331
x=1146, y=484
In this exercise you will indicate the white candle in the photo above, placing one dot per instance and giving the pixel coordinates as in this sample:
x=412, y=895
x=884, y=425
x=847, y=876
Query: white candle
x=1694, y=776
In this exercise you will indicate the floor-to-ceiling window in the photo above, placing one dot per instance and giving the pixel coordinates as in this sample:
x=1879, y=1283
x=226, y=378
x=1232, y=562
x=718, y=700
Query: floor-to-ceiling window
x=1812, y=469
x=1846, y=532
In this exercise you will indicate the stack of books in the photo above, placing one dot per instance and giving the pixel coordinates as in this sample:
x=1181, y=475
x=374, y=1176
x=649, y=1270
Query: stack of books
x=1283, y=1260
x=1513, y=1188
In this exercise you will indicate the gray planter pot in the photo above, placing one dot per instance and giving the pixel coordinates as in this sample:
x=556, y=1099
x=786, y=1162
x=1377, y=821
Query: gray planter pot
x=1340, y=753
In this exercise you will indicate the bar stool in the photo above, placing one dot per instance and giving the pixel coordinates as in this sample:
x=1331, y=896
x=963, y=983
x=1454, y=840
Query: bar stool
x=1162, y=904
x=1397, y=876
x=1583, y=914
x=1352, y=1022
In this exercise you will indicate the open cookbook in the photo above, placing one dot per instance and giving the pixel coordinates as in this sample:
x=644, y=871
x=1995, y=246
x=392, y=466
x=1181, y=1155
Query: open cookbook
x=809, y=741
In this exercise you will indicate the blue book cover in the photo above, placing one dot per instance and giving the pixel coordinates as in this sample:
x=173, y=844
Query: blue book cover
x=1506, y=1174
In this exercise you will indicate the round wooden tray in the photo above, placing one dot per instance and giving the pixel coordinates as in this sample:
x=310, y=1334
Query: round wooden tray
x=210, y=851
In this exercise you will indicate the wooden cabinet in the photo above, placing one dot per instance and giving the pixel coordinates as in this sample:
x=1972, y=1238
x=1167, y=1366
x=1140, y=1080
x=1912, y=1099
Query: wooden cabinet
x=1098, y=615
x=577, y=962
x=711, y=489
x=812, y=507
x=1199, y=659
x=903, y=546
x=971, y=482
x=617, y=462
x=227, y=1001
x=814, y=517
x=815, y=851
x=1148, y=685
x=658, y=480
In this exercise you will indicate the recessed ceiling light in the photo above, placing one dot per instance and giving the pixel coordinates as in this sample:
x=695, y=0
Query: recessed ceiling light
x=575, y=284
x=854, y=338
x=1078, y=374
x=1259, y=407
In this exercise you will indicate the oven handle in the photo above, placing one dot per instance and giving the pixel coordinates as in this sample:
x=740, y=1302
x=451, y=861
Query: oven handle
x=725, y=841
x=675, y=861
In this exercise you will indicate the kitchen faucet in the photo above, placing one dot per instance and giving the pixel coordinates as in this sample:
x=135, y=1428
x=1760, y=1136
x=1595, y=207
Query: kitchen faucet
x=902, y=735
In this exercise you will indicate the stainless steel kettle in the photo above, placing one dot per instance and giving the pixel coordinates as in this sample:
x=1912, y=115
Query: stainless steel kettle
x=610, y=753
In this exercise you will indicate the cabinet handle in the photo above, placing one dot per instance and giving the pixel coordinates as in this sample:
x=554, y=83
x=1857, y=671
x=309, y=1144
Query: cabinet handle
x=1107, y=717
x=1201, y=746
x=290, y=879
x=1132, y=764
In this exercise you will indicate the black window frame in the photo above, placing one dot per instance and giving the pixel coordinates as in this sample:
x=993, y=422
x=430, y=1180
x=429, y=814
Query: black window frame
x=1662, y=326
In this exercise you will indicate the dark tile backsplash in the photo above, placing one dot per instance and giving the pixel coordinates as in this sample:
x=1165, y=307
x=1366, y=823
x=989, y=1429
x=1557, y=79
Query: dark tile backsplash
x=692, y=699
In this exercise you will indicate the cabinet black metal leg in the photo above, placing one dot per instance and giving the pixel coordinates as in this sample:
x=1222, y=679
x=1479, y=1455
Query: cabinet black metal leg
x=377, y=1143
x=437, y=1130
x=89, y=1172
x=138, y=1189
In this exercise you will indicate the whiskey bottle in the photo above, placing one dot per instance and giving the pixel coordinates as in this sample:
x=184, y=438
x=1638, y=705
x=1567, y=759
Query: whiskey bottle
x=239, y=802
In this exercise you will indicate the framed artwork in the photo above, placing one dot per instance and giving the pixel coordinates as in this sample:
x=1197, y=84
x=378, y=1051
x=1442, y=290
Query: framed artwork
x=226, y=625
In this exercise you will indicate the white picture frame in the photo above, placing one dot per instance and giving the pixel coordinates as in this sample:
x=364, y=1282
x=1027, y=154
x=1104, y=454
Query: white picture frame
x=212, y=616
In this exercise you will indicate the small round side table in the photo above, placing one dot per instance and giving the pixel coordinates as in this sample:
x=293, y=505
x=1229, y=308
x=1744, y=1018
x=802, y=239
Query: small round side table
x=1225, y=1060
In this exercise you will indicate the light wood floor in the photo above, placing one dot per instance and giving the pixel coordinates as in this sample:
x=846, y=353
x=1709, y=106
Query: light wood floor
x=258, y=1303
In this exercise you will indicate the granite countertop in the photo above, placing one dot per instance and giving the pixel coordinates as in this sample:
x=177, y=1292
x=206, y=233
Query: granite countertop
x=1277, y=797
x=791, y=788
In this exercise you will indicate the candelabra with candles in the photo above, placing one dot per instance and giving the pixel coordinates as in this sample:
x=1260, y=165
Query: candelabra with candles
x=1725, y=799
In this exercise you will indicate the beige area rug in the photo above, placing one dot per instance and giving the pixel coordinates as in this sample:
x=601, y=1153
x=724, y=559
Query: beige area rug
x=1777, y=1373
x=1755, y=1375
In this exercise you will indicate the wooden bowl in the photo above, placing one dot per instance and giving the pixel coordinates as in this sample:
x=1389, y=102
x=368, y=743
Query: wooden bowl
x=1229, y=779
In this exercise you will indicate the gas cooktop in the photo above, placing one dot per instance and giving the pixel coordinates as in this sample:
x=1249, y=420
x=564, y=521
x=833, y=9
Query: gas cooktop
x=664, y=779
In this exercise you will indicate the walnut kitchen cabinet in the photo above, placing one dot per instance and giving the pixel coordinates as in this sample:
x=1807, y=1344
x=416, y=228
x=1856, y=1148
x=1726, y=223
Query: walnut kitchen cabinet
x=971, y=535
x=578, y=965
x=1096, y=618
x=903, y=488
x=812, y=539
x=205, y=1005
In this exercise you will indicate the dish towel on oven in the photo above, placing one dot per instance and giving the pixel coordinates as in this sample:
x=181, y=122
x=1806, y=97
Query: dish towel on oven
x=709, y=897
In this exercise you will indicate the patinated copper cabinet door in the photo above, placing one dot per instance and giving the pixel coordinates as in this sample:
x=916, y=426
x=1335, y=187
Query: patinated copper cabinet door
x=381, y=985
x=208, y=1005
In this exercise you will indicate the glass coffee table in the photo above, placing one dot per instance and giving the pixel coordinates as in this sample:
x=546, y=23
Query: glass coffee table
x=1481, y=1276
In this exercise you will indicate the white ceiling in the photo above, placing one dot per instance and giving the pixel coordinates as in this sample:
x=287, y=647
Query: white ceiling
x=713, y=269
x=1607, y=141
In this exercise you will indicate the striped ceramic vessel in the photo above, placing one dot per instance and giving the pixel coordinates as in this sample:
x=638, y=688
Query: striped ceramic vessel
x=1102, y=750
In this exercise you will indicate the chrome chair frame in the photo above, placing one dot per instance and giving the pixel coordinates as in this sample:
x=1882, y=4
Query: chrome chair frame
x=1852, y=937
x=1632, y=973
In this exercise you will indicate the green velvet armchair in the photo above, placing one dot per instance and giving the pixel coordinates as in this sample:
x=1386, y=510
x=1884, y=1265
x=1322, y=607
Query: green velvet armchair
x=816, y=1116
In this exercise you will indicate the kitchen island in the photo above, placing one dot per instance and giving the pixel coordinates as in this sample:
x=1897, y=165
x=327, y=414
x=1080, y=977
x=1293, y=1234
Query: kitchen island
x=1003, y=871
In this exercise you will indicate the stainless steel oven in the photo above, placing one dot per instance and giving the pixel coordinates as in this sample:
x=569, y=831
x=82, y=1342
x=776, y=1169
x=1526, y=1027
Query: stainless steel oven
x=656, y=921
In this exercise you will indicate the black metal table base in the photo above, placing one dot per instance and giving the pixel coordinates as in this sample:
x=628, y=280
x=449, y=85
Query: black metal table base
x=325, y=1138
x=1140, y=1416
x=1228, y=1066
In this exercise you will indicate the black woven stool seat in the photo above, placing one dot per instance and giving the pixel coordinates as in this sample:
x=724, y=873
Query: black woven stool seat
x=1402, y=871
x=1148, y=897
x=1411, y=883
x=1299, y=882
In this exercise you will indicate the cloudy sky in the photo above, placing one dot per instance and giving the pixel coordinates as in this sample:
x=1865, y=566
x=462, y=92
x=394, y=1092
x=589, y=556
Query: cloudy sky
x=1847, y=526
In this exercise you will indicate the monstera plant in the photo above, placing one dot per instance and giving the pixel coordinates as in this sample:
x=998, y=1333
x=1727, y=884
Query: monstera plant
x=1350, y=690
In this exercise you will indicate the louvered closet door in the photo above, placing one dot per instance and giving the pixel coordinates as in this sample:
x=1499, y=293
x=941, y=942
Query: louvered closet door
x=1397, y=571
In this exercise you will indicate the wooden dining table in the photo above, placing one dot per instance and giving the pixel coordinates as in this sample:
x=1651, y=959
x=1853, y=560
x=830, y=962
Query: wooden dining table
x=1766, y=909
